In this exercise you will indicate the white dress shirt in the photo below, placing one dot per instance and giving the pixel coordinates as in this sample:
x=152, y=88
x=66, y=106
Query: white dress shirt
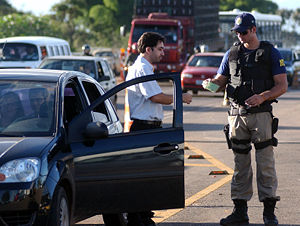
x=141, y=107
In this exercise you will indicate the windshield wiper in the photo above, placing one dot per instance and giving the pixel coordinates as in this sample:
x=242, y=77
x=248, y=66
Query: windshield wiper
x=10, y=135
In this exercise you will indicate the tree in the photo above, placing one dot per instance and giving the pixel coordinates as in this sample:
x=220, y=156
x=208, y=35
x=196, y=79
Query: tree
x=263, y=6
x=94, y=22
x=291, y=18
x=25, y=25
x=6, y=8
x=67, y=17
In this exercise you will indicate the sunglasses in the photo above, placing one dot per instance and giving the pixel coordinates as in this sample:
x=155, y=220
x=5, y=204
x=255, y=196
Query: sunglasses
x=241, y=33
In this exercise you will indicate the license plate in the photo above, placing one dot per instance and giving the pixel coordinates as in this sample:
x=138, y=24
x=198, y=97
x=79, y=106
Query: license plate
x=199, y=82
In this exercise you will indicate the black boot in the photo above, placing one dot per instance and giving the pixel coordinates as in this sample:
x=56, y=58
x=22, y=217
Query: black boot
x=269, y=217
x=239, y=215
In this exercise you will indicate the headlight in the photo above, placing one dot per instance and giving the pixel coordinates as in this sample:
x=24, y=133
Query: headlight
x=20, y=170
x=186, y=76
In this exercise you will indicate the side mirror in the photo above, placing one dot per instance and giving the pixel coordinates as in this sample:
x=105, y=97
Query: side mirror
x=96, y=130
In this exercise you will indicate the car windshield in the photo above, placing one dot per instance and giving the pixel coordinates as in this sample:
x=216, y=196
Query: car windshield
x=105, y=54
x=27, y=108
x=170, y=32
x=85, y=66
x=205, y=61
x=18, y=52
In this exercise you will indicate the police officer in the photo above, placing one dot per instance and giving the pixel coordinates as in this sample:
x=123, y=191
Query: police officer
x=255, y=75
x=86, y=49
x=197, y=49
x=146, y=99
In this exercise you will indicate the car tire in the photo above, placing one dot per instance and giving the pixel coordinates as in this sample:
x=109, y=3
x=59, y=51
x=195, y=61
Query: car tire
x=114, y=219
x=195, y=92
x=60, y=213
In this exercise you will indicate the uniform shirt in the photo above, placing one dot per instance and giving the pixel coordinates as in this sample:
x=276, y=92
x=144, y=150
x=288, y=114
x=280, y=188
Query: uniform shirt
x=277, y=62
x=140, y=105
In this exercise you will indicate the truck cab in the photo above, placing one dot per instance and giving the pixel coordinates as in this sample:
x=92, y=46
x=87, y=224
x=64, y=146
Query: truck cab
x=173, y=29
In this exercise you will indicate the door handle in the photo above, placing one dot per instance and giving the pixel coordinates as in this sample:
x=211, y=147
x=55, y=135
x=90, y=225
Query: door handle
x=165, y=148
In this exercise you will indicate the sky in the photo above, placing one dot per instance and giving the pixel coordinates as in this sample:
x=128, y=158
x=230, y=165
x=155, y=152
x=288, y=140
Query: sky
x=42, y=7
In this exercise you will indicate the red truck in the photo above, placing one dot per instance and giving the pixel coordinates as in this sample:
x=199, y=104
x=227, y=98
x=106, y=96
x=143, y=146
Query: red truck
x=179, y=43
x=184, y=23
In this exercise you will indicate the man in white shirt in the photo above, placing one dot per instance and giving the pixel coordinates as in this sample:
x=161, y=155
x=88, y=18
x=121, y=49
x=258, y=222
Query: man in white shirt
x=146, y=99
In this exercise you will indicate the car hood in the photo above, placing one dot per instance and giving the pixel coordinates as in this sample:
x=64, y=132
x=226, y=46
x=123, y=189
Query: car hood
x=22, y=147
x=200, y=70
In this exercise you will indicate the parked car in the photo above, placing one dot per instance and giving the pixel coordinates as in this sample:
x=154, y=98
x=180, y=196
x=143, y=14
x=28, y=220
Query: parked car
x=65, y=158
x=199, y=67
x=111, y=57
x=290, y=58
x=95, y=67
x=29, y=51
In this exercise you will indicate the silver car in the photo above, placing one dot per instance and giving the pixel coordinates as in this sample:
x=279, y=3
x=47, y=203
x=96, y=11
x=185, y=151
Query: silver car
x=96, y=67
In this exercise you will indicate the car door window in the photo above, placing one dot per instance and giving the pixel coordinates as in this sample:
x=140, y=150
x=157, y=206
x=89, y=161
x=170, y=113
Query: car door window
x=105, y=69
x=100, y=112
x=100, y=70
x=73, y=105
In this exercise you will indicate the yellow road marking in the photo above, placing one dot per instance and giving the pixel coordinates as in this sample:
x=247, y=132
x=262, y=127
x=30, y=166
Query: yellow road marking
x=162, y=215
x=202, y=165
x=211, y=159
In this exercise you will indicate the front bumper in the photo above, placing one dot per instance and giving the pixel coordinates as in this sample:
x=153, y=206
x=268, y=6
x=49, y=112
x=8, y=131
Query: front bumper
x=23, y=204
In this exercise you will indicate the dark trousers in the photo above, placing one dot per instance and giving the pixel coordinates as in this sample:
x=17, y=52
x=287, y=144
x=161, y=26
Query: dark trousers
x=143, y=217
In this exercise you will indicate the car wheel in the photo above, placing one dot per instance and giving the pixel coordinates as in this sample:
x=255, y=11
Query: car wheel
x=114, y=219
x=60, y=213
x=195, y=92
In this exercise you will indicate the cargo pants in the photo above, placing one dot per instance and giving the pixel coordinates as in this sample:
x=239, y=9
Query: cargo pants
x=256, y=127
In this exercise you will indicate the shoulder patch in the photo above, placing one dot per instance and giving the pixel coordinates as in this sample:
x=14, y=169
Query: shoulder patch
x=281, y=63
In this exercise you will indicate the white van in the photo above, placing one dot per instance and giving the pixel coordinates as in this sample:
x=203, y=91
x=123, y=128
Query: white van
x=29, y=51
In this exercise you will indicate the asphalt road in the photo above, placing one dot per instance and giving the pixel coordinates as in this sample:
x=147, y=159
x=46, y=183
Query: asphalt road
x=208, y=196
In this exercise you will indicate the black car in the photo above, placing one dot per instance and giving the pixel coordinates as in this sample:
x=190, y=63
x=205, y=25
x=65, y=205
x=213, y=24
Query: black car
x=65, y=158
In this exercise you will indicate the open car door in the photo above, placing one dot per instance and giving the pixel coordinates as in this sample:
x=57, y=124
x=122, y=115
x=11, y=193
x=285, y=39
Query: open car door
x=129, y=172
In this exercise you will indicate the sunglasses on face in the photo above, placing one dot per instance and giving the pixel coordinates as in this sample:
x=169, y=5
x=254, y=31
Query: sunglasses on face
x=241, y=33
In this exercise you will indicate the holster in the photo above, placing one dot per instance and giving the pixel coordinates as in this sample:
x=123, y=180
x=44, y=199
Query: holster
x=274, y=130
x=273, y=141
x=226, y=132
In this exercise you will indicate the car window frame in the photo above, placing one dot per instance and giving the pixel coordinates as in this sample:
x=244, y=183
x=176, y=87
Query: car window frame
x=80, y=122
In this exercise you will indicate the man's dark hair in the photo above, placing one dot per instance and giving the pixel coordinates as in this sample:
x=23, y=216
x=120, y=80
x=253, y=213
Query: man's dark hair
x=149, y=39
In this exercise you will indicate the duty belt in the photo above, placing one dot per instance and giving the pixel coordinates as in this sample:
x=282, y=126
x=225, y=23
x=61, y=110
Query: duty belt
x=241, y=110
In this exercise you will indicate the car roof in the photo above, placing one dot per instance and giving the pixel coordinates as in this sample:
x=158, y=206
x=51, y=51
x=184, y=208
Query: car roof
x=33, y=74
x=34, y=39
x=74, y=58
x=210, y=54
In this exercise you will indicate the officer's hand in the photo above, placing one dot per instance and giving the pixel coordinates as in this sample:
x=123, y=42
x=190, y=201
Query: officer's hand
x=186, y=98
x=255, y=100
x=205, y=83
